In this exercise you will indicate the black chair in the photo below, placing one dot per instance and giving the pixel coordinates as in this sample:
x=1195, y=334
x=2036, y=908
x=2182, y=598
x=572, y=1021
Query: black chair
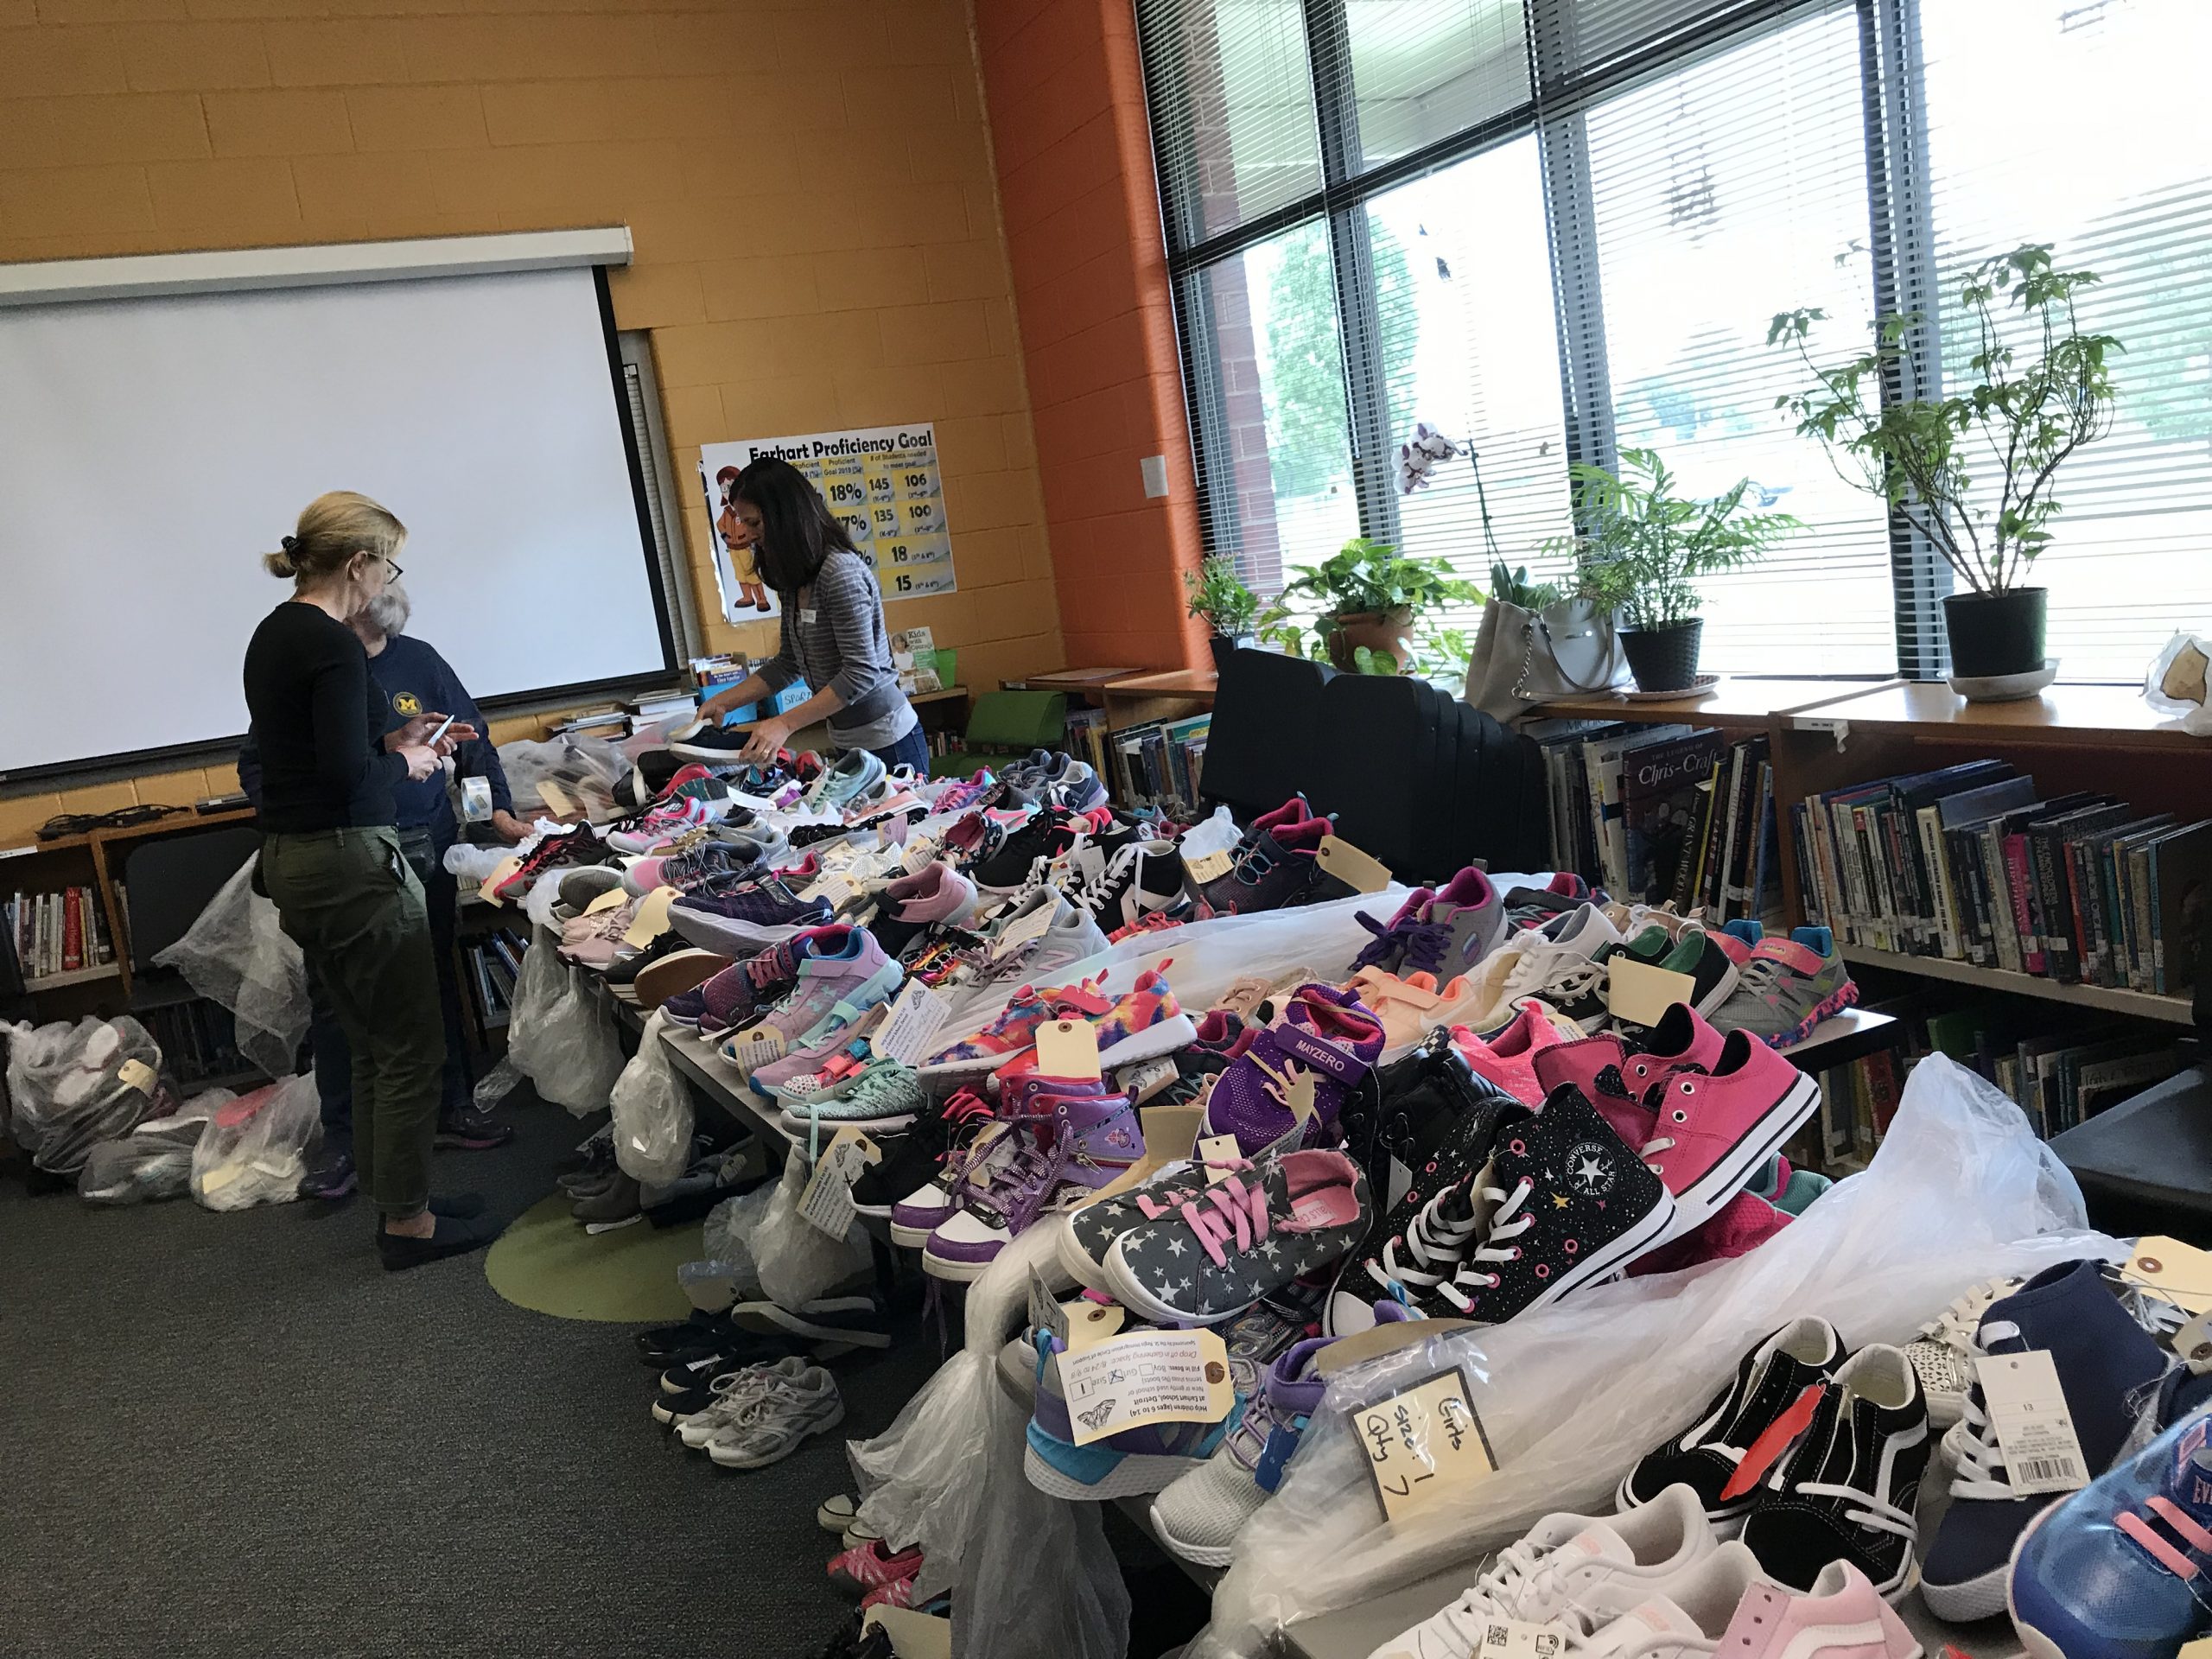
x=1265, y=730
x=168, y=883
x=2146, y=1166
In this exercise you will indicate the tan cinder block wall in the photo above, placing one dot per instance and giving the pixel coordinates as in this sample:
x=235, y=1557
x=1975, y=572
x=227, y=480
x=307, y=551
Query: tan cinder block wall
x=810, y=184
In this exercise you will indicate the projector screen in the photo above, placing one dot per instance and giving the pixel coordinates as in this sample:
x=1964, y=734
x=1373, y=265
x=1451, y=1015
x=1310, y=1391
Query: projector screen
x=152, y=449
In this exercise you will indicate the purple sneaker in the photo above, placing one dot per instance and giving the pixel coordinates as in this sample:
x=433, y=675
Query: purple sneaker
x=737, y=994
x=841, y=965
x=1322, y=1034
x=1393, y=938
x=1469, y=917
x=812, y=1046
x=1093, y=1139
x=740, y=922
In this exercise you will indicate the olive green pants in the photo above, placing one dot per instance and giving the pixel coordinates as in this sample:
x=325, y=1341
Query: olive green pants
x=356, y=910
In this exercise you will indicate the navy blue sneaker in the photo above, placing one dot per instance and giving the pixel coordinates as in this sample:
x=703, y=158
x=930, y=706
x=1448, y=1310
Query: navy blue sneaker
x=2117, y=1570
x=2104, y=1360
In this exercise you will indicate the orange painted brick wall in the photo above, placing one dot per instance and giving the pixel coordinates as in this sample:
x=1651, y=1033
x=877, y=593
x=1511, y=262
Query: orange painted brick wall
x=809, y=184
x=1082, y=205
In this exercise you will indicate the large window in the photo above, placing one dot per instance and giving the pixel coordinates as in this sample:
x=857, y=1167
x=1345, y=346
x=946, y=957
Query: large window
x=1556, y=229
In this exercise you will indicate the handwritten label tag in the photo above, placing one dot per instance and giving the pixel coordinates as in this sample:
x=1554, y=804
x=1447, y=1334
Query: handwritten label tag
x=1034, y=925
x=1147, y=1377
x=917, y=1015
x=1091, y=1323
x=1351, y=867
x=559, y=803
x=2168, y=1268
x=1218, y=1149
x=1067, y=1048
x=750, y=1050
x=2022, y=1394
x=613, y=898
x=136, y=1074
x=1208, y=867
x=920, y=854
x=501, y=873
x=827, y=1203
x=1641, y=994
x=652, y=919
x=1423, y=1444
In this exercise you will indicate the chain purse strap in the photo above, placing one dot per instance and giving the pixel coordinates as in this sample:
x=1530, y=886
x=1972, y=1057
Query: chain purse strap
x=1528, y=657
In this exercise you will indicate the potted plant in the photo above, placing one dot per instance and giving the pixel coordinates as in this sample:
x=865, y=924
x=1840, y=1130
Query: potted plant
x=1644, y=549
x=1218, y=597
x=1370, y=595
x=1917, y=454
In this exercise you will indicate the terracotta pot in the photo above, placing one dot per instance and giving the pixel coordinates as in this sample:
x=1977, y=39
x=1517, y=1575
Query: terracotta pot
x=1391, y=631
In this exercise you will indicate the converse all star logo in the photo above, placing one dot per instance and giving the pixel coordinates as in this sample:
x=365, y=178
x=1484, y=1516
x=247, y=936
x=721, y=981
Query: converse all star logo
x=1590, y=1169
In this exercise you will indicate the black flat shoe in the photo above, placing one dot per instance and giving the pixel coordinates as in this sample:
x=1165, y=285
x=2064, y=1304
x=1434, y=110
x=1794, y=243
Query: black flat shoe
x=452, y=1236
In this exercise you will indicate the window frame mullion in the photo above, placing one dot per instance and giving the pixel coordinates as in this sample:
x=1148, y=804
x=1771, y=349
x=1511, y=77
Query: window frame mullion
x=1570, y=224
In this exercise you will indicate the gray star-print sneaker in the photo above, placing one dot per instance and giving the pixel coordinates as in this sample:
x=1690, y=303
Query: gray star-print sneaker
x=1225, y=1246
x=1091, y=1230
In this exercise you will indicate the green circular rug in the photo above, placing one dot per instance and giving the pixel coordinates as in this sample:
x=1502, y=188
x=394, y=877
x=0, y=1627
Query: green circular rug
x=547, y=1262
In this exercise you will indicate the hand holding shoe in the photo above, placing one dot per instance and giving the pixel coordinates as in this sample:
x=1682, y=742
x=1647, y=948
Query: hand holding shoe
x=769, y=736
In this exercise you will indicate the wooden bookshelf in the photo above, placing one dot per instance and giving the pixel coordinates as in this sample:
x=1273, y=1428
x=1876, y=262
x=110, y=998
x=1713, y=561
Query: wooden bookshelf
x=1828, y=735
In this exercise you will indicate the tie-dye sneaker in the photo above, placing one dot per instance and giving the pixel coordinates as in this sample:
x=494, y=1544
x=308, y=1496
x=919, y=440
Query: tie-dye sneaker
x=1014, y=1029
x=1786, y=987
x=1143, y=1024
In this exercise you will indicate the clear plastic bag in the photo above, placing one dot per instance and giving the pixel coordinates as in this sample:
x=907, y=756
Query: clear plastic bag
x=584, y=768
x=494, y=1086
x=238, y=954
x=2175, y=683
x=1960, y=1192
x=919, y=1480
x=797, y=1260
x=538, y=991
x=70, y=1087
x=653, y=1114
x=254, y=1150
x=730, y=1228
x=575, y=1050
x=154, y=1161
x=1072, y=1602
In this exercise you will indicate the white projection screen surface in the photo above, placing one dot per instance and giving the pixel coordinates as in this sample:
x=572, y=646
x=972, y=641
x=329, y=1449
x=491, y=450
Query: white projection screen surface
x=152, y=449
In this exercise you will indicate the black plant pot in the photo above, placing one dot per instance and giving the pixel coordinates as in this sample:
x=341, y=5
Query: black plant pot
x=1222, y=645
x=1663, y=659
x=1995, y=633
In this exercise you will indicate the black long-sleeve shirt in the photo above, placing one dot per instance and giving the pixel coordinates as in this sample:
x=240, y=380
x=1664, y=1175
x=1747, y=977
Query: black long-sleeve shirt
x=318, y=724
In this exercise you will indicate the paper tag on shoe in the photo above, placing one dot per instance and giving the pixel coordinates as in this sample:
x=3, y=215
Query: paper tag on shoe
x=1146, y=1376
x=2193, y=1342
x=1069, y=1049
x=916, y=1014
x=613, y=898
x=1208, y=867
x=1516, y=1638
x=1170, y=1133
x=1640, y=993
x=827, y=1203
x=2035, y=1431
x=1218, y=1149
x=488, y=890
x=1423, y=1444
x=558, y=802
x=652, y=919
x=1356, y=869
x=2167, y=1268
x=1091, y=1323
x=1034, y=925
x=836, y=885
x=751, y=1049
x=136, y=1074
x=920, y=853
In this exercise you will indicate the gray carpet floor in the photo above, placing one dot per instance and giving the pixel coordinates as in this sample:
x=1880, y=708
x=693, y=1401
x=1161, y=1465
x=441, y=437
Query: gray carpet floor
x=236, y=1435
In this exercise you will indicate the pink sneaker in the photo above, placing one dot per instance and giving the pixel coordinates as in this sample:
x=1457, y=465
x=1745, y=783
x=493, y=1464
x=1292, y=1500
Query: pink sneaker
x=1715, y=1129
x=1841, y=1617
x=1595, y=1066
x=1143, y=1024
x=660, y=826
x=1509, y=1057
x=1681, y=1037
x=1745, y=1223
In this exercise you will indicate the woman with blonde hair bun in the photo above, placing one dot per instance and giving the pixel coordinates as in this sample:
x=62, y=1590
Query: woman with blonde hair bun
x=331, y=859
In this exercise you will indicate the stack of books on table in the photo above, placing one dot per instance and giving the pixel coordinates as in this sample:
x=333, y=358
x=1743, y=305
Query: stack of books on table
x=1973, y=863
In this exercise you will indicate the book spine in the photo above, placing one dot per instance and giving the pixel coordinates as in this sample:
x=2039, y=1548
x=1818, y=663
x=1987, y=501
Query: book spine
x=2005, y=939
x=2141, y=970
x=1928, y=820
x=2158, y=928
x=1966, y=864
x=1873, y=825
x=73, y=931
x=1844, y=847
x=2084, y=912
x=2112, y=959
x=2021, y=880
x=2050, y=906
x=1762, y=834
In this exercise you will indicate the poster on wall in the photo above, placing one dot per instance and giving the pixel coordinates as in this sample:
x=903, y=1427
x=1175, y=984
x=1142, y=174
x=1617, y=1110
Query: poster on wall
x=881, y=481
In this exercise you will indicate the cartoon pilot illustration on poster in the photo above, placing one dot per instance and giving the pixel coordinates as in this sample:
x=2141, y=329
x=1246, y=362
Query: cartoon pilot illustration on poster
x=739, y=543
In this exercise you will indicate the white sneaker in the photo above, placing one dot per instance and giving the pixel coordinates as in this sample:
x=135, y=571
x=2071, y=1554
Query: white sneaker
x=1558, y=974
x=1943, y=1353
x=1583, y=1572
x=734, y=1392
x=786, y=1410
x=1070, y=937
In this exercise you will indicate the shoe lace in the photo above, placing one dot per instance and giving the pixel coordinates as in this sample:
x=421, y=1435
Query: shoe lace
x=1230, y=1210
x=1955, y=1325
x=1866, y=1509
x=1980, y=1470
x=2147, y=1306
x=1436, y=1242
x=1676, y=1076
x=1112, y=880
x=1557, y=973
x=1508, y=1220
x=1525, y=1579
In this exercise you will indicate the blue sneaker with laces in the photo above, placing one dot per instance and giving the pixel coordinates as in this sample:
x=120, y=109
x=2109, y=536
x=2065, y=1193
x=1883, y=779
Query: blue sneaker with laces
x=2118, y=1570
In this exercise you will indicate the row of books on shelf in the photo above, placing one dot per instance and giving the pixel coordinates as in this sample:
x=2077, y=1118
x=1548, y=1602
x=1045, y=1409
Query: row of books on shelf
x=1972, y=863
x=494, y=962
x=2059, y=1071
x=1158, y=763
x=1664, y=814
x=59, y=932
x=199, y=1040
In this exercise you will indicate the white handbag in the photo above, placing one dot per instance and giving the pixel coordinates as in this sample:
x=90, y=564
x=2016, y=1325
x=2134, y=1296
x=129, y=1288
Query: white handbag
x=1523, y=657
